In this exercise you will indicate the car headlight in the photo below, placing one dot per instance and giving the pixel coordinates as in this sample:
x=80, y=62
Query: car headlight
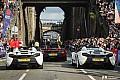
x=85, y=54
x=109, y=55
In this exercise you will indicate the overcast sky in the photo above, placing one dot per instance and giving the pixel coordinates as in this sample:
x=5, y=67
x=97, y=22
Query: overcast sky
x=52, y=14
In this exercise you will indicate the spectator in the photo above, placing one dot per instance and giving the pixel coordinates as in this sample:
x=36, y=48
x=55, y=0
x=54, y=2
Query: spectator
x=36, y=45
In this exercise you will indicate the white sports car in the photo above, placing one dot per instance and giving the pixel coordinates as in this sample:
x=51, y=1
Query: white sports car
x=24, y=57
x=87, y=56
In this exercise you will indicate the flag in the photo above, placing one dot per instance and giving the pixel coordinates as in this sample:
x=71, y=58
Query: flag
x=7, y=17
x=117, y=11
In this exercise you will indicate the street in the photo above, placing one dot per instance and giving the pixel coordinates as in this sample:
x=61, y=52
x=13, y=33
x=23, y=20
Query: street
x=58, y=71
x=32, y=31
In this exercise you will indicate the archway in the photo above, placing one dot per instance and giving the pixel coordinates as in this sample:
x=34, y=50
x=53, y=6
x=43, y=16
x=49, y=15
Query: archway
x=75, y=14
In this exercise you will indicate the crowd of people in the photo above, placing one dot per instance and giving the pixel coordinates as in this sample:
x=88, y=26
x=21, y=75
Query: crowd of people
x=4, y=4
x=10, y=44
x=107, y=12
x=3, y=44
x=112, y=42
x=106, y=43
x=1, y=13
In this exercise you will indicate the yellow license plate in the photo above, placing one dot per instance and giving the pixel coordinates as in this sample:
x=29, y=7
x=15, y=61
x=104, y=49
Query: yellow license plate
x=98, y=59
x=24, y=60
x=52, y=54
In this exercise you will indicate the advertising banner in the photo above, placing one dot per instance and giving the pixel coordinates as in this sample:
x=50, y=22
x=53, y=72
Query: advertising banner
x=117, y=11
x=7, y=17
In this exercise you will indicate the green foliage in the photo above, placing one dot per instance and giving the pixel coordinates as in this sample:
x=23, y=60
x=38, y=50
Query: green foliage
x=92, y=15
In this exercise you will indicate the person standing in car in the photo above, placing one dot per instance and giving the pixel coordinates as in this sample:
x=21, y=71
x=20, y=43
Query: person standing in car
x=17, y=43
x=11, y=44
x=36, y=45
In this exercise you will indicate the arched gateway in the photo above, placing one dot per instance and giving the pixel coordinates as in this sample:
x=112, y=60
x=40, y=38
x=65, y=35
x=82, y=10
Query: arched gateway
x=76, y=14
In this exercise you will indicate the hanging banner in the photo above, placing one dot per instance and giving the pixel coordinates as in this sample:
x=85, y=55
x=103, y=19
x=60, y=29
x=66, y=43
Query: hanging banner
x=7, y=17
x=117, y=11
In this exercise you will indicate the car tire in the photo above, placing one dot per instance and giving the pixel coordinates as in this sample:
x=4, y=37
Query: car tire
x=111, y=67
x=8, y=67
x=40, y=66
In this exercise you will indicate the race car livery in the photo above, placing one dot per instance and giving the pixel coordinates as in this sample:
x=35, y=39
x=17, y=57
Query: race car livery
x=88, y=56
x=24, y=57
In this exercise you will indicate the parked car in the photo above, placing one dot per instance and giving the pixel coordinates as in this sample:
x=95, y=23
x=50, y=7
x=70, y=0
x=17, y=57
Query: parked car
x=87, y=56
x=24, y=57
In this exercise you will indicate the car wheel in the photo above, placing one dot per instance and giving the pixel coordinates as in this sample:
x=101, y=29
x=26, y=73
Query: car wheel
x=111, y=67
x=40, y=66
x=8, y=67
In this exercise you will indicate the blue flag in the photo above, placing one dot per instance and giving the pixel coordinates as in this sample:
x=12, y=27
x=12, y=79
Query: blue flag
x=117, y=2
x=7, y=17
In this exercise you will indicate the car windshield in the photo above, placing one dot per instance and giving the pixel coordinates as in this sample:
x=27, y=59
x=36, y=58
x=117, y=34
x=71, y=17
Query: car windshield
x=50, y=45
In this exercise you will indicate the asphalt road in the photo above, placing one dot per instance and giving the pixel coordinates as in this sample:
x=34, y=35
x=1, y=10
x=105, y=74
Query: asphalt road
x=58, y=71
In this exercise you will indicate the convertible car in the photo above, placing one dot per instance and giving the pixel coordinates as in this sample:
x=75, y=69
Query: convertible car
x=24, y=57
x=87, y=56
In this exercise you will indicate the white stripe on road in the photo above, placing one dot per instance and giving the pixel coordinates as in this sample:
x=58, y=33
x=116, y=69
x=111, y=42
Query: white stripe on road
x=22, y=77
x=83, y=70
x=27, y=70
x=92, y=78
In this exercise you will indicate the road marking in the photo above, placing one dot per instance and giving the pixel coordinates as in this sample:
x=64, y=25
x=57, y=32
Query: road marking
x=27, y=70
x=92, y=78
x=22, y=77
x=83, y=70
x=115, y=71
x=56, y=79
